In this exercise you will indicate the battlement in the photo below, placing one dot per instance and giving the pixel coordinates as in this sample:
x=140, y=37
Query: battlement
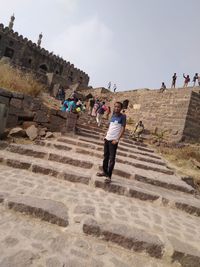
x=29, y=55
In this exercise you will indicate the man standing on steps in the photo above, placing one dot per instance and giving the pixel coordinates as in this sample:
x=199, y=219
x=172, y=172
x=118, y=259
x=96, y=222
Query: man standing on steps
x=115, y=132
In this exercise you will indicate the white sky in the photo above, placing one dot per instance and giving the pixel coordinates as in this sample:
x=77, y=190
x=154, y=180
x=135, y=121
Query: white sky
x=133, y=43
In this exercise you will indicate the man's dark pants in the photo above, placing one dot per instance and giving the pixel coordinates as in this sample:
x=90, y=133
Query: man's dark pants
x=109, y=157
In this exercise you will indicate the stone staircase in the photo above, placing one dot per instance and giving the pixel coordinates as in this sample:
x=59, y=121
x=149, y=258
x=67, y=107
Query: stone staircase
x=147, y=216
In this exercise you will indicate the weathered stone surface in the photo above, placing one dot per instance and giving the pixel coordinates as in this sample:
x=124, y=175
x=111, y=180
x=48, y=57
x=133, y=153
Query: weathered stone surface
x=163, y=184
x=53, y=262
x=45, y=209
x=17, y=132
x=23, y=258
x=41, y=117
x=27, y=124
x=10, y=241
x=62, y=114
x=17, y=103
x=17, y=95
x=42, y=132
x=18, y=164
x=26, y=151
x=12, y=121
x=44, y=170
x=130, y=238
x=32, y=132
x=142, y=195
x=4, y=100
x=68, y=160
x=3, y=195
x=49, y=135
x=113, y=187
x=85, y=210
x=5, y=93
x=76, y=178
x=189, y=208
x=184, y=253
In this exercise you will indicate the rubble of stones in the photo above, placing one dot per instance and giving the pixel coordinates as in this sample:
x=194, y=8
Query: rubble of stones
x=29, y=117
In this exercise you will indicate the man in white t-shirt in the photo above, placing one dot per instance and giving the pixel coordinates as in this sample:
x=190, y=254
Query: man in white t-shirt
x=115, y=132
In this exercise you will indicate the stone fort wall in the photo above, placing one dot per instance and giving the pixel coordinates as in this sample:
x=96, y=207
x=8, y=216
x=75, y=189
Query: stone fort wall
x=175, y=111
x=50, y=68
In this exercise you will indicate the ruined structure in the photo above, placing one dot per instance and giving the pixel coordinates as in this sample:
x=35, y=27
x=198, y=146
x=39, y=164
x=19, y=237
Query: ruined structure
x=51, y=69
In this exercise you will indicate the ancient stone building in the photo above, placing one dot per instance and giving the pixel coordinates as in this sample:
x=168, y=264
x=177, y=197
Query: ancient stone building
x=51, y=69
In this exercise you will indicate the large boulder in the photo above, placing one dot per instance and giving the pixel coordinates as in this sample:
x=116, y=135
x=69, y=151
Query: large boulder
x=32, y=132
x=17, y=132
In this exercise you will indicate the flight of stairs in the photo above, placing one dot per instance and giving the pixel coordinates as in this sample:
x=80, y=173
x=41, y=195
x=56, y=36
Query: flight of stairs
x=147, y=210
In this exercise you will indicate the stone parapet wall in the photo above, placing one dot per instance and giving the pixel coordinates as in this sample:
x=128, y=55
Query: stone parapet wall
x=192, y=124
x=23, y=108
x=165, y=111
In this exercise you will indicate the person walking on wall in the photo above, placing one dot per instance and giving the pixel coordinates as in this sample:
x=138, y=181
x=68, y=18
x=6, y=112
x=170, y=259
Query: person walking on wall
x=114, y=134
x=174, y=77
x=114, y=88
x=195, y=79
x=187, y=80
x=109, y=85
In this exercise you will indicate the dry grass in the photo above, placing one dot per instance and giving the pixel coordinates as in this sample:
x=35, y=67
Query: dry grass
x=185, y=159
x=16, y=80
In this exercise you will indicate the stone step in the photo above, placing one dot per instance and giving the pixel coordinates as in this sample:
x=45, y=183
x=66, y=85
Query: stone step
x=49, y=154
x=172, y=184
x=128, y=237
x=132, y=156
x=122, y=145
x=42, y=166
x=45, y=209
x=86, y=143
x=95, y=131
x=135, y=239
x=100, y=136
x=135, y=163
x=131, y=188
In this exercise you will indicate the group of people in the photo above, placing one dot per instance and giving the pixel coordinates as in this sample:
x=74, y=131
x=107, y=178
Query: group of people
x=114, y=87
x=99, y=110
x=187, y=80
x=73, y=105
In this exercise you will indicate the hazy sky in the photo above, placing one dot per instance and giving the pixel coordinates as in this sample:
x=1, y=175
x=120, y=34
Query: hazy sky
x=133, y=43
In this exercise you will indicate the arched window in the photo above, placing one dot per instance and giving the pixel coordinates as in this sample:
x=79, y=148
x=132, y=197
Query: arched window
x=9, y=52
x=43, y=67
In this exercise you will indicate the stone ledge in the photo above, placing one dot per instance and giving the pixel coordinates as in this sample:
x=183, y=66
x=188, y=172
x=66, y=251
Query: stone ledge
x=163, y=184
x=45, y=209
x=128, y=237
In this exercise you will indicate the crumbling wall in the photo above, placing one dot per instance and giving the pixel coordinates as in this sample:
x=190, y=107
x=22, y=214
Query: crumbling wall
x=23, y=108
